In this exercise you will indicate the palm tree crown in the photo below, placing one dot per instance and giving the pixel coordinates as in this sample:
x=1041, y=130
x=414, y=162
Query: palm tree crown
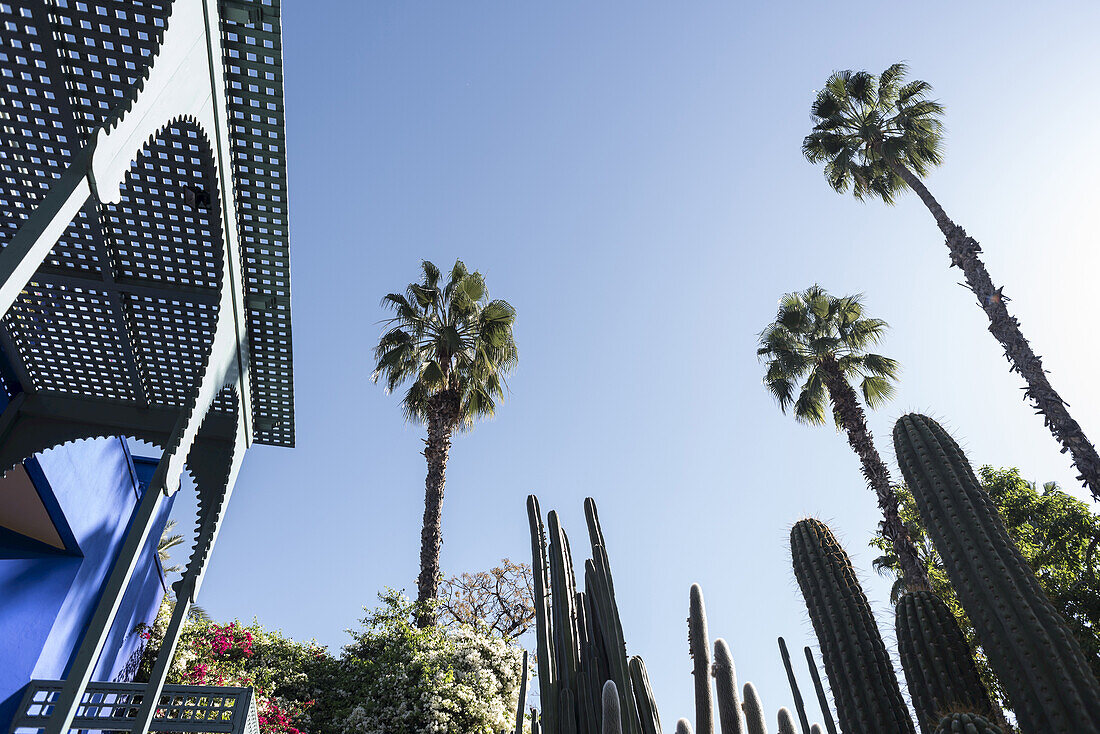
x=447, y=340
x=813, y=333
x=867, y=129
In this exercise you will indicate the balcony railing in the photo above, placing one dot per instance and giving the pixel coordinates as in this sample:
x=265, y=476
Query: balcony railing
x=113, y=707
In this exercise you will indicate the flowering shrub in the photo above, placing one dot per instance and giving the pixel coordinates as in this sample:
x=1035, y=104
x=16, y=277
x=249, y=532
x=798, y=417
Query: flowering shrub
x=212, y=654
x=395, y=678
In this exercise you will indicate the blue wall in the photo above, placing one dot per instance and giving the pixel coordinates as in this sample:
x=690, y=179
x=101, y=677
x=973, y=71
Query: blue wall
x=47, y=598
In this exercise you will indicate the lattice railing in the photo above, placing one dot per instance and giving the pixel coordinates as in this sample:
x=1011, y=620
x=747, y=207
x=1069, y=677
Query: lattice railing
x=113, y=707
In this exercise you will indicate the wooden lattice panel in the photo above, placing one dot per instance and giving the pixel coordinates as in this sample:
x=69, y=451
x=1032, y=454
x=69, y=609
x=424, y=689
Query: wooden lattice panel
x=70, y=341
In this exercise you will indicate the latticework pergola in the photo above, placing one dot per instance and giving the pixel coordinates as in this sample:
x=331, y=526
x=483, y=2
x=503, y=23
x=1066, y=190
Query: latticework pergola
x=144, y=276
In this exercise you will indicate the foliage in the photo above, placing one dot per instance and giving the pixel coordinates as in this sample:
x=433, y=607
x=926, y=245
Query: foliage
x=233, y=654
x=866, y=128
x=447, y=338
x=500, y=599
x=169, y=540
x=812, y=332
x=1058, y=537
x=392, y=677
x=397, y=678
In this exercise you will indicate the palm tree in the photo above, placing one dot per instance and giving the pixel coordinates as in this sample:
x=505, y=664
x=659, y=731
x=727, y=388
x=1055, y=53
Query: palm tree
x=168, y=540
x=454, y=347
x=878, y=136
x=817, y=346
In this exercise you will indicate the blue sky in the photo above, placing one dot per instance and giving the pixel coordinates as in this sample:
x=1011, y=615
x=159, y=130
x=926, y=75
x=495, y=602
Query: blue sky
x=629, y=176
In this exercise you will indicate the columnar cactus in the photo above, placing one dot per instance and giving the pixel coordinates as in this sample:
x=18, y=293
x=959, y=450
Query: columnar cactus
x=1027, y=643
x=521, y=701
x=699, y=647
x=643, y=697
x=786, y=723
x=816, y=729
x=822, y=699
x=683, y=726
x=725, y=679
x=868, y=699
x=612, y=719
x=579, y=636
x=966, y=724
x=937, y=660
x=755, y=723
x=800, y=707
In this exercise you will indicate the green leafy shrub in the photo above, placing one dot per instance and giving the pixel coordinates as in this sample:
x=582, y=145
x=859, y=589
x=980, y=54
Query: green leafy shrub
x=397, y=678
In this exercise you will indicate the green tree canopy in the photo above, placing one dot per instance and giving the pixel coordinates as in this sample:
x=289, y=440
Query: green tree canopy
x=815, y=334
x=1058, y=537
x=447, y=339
x=870, y=131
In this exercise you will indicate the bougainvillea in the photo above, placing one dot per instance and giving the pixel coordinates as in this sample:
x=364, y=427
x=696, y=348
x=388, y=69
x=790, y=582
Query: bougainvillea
x=233, y=654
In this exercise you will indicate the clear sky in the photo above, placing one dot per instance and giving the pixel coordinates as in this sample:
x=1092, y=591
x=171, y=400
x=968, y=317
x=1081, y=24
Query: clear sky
x=629, y=176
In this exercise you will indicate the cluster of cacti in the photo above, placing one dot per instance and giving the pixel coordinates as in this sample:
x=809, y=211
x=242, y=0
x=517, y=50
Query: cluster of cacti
x=865, y=688
x=938, y=664
x=589, y=686
x=736, y=716
x=580, y=639
x=1027, y=643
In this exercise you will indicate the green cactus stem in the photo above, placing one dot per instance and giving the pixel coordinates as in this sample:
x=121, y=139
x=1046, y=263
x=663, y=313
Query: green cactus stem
x=816, y=729
x=699, y=648
x=1034, y=655
x=725, y=679
x=822, y=699
x=612, y=718
x=938, y=663
x=799, y=706
x=786, y=723
x=683, y=726
x=643, y=697
x=521, y=701
x=868, y=698
x=966, y=724
x=755, y=722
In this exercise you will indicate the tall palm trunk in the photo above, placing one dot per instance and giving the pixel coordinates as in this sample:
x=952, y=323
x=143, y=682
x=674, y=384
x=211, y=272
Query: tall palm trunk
x=442, y=417
x=1005, y=327
x=849, y=414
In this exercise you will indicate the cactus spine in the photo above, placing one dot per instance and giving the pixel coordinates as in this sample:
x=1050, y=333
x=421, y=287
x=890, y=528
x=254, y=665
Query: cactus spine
x=966, y=724
x=786, y=723
x=822, y=699
x=798, y=704
x=755, y=722
x=578, y=634
x=1034, y=655
x=725, y=679
x=868, y=699
x=937, y=660
x=699, y=648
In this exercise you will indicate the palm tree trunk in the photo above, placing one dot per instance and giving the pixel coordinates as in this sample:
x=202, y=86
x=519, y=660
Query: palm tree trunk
x=1006, y=329
x=442, y=416
x=850, y=416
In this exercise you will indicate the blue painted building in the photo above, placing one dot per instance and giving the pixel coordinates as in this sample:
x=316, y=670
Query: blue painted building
x=63, y=517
